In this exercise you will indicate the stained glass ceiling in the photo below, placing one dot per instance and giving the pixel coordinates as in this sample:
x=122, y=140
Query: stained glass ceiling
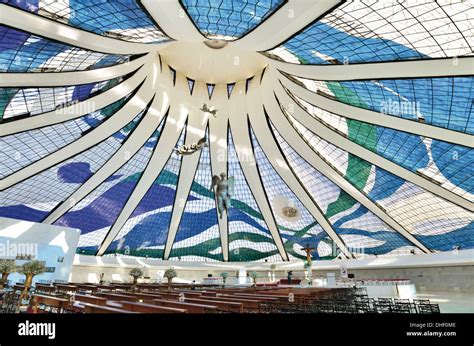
x=343, y=125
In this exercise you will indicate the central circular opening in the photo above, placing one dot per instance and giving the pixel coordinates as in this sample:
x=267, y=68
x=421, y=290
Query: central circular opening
x=200, y=62
x=216, y=44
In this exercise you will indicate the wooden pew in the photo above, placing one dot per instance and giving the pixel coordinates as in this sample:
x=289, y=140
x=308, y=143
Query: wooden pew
x=250, y=305
x=90, y=299
x=105, y=287
x=50, y=303
x=191, y=307
x=41, y=288
x=100, y=309
x=87, y=287
x=262, y=297
x=146, y=297
x=220, y=304
x=189, y=293
x=151, y=309
x=66, y=288
x=117, y=297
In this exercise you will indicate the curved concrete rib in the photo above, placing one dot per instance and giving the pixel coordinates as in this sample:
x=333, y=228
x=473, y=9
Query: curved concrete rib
x=445, y=67
x=195, y=130
x=218, y=130
x=52, y=79
x=344, y=143
x=173, y=20
x=293, y=138
x=76, y=110
x=282, y=24
x=244, y=149
x=270, y=147
x=132, y=145
x=377, y=118
x=45, y=27
x=297, y=143
x=174, y=125
x=126, y=114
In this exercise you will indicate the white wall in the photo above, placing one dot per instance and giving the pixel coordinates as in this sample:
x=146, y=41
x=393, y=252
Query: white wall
x=439, y=271
x=44, y=242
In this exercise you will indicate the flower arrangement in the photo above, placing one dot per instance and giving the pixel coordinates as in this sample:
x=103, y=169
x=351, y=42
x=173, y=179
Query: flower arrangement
x=7, y=266
x=224, y=276
x=170, y=274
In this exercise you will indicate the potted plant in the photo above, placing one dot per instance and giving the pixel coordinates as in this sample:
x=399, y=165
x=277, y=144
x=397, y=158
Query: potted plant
x=30, y=270
x=7, y=266
x=224, y=276
x=136, y=273
x=170, y=274
x=254, y=276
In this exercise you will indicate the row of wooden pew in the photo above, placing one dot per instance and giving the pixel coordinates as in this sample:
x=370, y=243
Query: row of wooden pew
x=153, y=298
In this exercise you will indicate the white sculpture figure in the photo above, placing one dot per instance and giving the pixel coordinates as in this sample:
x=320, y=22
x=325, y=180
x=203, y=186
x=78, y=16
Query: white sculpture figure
x=224, y=191
x=205, y=108
x=188, y=150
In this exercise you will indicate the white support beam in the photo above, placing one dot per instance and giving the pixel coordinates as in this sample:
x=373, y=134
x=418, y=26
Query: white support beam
x=218, y=127
x=52, y=79
x=427, y=68
x=126, y=114
x=76, y=110
x=376, y=118
x=244, y=149
x=174, y=125
x=173, y=20
x=132, y=145
x=45, y=27
x=293, y=138
x=346, y=144
x=270, y=147
x=195, y=130
x=282, y=24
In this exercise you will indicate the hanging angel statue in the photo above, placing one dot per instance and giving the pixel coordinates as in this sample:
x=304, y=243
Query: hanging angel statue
x=205, y=108
x=224, y=191
x=188, y=150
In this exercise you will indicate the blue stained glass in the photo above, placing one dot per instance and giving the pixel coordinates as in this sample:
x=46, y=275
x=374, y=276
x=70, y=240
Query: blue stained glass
x=229, y=18
x=122, y=19
x=280, y=196
x=24, y=52
x=361, y=32
x=198, y=234
x=428, y=215
x=16, y=102
x=356, y=225
x=409, y=151
x=336, y=44
x=249, y=237
x=95, y=218
x=443, y=102
x=455, y=163
x=145, y=232
x=105, y=15
x=34, y=198
x=22, y=149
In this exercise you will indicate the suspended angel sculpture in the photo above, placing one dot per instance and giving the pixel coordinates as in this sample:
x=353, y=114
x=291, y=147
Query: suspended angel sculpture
x=224, y=191
x=188, y=150
x=205, y=108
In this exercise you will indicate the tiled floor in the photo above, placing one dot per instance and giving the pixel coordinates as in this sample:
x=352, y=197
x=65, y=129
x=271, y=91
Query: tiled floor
x=450, y=302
